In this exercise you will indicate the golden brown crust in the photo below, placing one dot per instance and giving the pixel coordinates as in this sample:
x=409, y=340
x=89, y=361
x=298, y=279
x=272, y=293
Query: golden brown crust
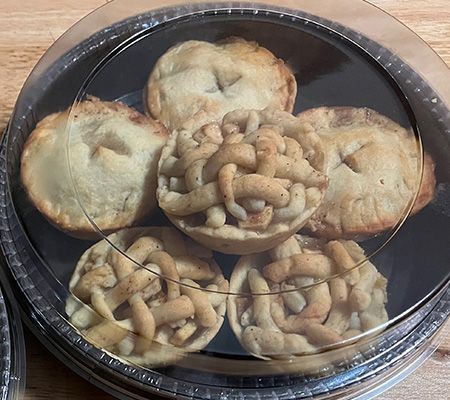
x=244, y=186
x=427, y=185
x=373, y=166
x=130, y=311
x=44, y=171
x=289, y=305
x=202, y=80
x=229, y=241
x=95, y=107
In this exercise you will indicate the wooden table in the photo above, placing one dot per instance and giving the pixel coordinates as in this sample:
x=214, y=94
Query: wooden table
x=29, y=27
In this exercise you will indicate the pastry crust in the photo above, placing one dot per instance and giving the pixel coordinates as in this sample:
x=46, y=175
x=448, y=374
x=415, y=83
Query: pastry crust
x=132, y=312
x=373, y=166
x=243, y=186
x=292, y=306
x=114, y=151
x=207, y=80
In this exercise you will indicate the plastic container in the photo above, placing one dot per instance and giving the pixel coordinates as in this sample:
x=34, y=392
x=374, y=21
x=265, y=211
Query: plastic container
x=339, y=57
x=12, y=351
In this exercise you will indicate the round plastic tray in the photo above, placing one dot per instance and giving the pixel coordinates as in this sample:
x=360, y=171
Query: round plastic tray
x=362, y=68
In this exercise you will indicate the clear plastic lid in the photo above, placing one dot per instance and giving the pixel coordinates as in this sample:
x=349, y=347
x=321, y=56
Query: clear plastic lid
x=12, y=351
x=235, y=197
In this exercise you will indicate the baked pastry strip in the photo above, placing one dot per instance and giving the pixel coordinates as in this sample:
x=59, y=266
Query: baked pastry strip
x=244, y=185
x=295, y=306
x=150, y=303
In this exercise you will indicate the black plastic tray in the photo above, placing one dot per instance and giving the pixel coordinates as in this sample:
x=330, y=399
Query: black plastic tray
x=41, y=259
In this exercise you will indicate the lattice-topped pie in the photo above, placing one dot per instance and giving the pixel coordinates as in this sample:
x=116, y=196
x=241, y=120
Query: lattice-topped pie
x=373, y=166
x=131, y=311
x=113, y=152
x=244, y=185
x=299, y=321
x=207, y=80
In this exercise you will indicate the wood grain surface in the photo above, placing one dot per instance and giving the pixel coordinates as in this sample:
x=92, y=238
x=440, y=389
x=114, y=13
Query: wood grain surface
x=29, y=27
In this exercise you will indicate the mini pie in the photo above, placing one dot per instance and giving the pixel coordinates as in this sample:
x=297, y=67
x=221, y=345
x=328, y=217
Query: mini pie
x=242, y=186
x=373, y=166
x=207, y=80
x=113, y=150
x=131, y=311
x=295, y=321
